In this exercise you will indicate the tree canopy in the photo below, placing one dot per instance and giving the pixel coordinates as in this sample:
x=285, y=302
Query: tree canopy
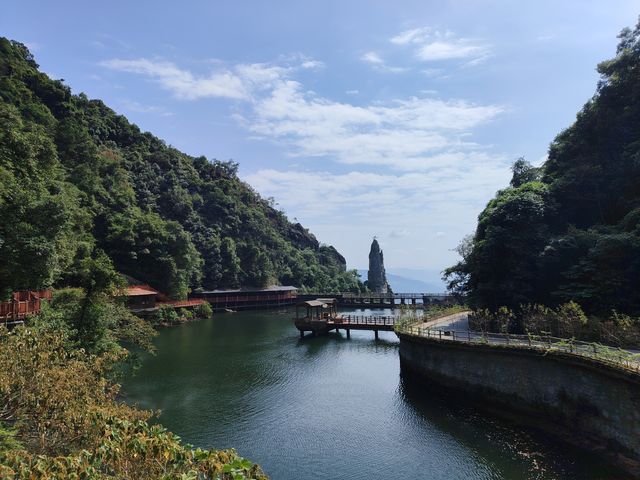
x=569, y=230
x=75, y=177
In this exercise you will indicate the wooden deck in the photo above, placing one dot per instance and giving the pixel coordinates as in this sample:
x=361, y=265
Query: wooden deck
x=22, y=305
x=347, y=323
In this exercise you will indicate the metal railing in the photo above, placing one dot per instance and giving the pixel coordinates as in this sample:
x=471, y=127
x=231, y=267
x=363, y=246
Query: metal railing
x=602, y=353
x=395, y=295
x=366, y=320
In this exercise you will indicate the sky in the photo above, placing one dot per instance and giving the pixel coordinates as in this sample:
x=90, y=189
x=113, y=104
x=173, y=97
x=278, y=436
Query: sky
x=360, y=118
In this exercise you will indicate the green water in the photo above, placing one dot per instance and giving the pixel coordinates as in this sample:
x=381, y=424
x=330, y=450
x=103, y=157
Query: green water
x=329, y=407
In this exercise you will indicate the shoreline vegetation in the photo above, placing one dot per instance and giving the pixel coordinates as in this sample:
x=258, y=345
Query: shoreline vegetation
x=60, y=416
x=557, y=252
x=168, y=316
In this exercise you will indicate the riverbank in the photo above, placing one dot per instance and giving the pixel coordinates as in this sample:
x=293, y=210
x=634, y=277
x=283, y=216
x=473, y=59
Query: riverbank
x=330, y=407
x=589, y=404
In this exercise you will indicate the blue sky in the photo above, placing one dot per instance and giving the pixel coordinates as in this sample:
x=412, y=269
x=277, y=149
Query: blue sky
x=396, y=119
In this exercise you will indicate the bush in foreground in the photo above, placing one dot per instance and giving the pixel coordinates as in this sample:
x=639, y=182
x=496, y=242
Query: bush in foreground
x=60, y=418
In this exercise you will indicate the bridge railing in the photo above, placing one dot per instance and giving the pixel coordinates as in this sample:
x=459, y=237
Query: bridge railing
x=390, y=296
x=617, y=357
x=367, y=320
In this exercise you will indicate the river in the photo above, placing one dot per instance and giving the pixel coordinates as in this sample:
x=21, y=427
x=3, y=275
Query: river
x=328, y=407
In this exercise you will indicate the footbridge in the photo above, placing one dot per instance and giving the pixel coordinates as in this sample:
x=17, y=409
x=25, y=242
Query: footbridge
x=386, y=300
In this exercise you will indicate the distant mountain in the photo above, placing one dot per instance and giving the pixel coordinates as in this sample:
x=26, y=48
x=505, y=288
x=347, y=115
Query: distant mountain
x=408, y=280
x=79, y=181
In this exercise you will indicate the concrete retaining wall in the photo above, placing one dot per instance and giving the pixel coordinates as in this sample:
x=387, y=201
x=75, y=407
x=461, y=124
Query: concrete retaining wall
x=586, y=403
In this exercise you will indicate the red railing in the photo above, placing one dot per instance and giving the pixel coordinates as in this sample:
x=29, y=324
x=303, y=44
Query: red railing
x=215, y=299
x=23, y=304
x=182, y=303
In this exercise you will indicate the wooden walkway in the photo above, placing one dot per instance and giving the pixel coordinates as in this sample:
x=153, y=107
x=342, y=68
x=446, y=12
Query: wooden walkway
x=347, y=323
x=363, y=322
x=375, y=323
x=385, y=300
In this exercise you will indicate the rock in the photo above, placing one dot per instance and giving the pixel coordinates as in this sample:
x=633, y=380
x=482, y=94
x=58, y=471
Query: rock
x=376, y=278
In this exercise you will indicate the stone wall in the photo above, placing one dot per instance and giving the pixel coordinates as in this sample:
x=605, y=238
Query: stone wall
x=579, y=400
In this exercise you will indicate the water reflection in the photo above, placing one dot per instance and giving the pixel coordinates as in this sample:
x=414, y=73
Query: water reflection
x=327, y=407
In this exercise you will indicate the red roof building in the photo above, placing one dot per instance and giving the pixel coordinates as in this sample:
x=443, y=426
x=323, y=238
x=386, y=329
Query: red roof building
x=140, y=297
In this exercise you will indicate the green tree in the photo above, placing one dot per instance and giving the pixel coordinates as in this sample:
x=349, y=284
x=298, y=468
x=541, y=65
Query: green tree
x=231, y=270
x=158, y=213
x=524, y=172
x=569, y=230
x=41, y=224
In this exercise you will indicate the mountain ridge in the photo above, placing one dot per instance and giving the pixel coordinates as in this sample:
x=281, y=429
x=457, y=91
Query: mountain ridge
x=80, y=181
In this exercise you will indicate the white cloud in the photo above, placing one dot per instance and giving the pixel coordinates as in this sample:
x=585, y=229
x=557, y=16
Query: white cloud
x=377, y=62
x=444, y=50
x=240, y=82
x=432, y=45
x=413, y=36
x=418, y=153
x=181, y=82
x=372, y=57
x=545, y=38
x=358, y=194
x=312, y=64
x=352, y=92
x=433, y=72
x=346, y=209
x=407, y=134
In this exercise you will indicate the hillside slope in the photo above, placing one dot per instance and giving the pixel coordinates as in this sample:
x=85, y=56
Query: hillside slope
x=569, y=231
x=77, y=179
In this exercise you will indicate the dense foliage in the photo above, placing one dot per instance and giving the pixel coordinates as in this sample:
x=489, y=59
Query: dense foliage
x=570, y=230
x=75, y=177
x=60, y=418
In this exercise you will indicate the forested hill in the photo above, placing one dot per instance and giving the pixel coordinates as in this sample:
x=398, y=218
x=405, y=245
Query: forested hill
x=571, y=229
x=76, y=180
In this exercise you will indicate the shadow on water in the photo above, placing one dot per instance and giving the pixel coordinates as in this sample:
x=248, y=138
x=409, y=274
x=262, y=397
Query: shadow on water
x=315, y=344
x=330, y=407
x=503, y=444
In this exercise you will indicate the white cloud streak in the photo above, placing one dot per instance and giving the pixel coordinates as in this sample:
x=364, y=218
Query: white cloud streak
x=406, y=134
x=417, y=154
x=372, y=57
x=432, y=45
x=347, y=209
x=378, y=63
x=410, y=134
x=181, y=82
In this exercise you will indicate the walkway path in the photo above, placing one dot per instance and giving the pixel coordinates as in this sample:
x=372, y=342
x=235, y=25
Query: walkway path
x=456, y=321
x=455, y=327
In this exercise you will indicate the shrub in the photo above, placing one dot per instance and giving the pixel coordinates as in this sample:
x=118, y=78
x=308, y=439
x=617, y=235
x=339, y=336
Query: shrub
x=204, y=310
x=167, y=314
x=59, y=418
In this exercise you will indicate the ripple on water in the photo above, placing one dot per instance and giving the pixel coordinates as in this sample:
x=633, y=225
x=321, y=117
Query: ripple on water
x=327, y=407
